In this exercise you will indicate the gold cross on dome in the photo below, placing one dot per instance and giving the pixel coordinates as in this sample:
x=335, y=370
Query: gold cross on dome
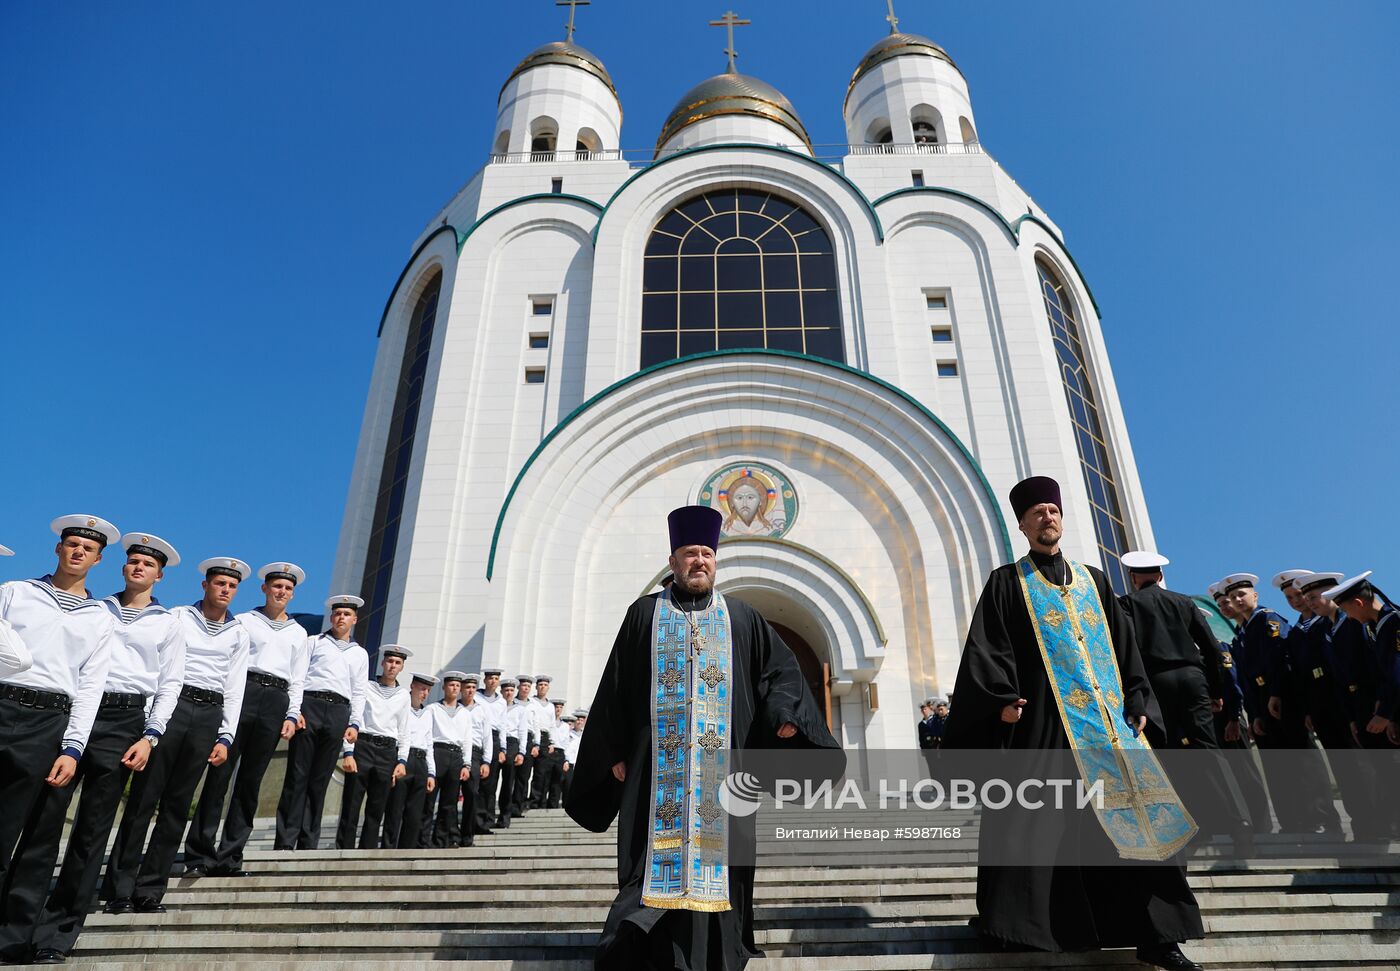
x=572, y=5
x=894, y=21
x=729, y=21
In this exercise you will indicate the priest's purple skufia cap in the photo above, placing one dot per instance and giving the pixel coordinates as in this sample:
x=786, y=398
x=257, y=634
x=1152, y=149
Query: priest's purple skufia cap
x=694, y=526
x=1032, y=492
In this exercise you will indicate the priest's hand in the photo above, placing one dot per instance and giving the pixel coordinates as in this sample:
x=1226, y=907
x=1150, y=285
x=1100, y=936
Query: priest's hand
x=62, y=772
x=1011, y=714
x=620, y=772
x=349, y=765
x=1258, y=727
x=1232, y=730
x=1276, y=707
x=1138, y=724
x=787, y=730
x=1217, y=705
x=1377, y=724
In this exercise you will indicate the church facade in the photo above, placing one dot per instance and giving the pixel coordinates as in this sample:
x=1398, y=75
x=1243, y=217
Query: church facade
x=852, y=353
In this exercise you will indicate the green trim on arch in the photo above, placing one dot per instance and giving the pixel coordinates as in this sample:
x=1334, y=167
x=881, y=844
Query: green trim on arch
x=745, y=147
x=757, y=352
x=1012, y=228
x=821, y=557
x=1028, y=217
x=463, y=236
x=394, y=292
x=957, y=194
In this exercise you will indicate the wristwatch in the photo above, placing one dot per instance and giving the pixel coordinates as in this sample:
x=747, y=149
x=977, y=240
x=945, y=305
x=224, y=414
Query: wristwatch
x=153, y=739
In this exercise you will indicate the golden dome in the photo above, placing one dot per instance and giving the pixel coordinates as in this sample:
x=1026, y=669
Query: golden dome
x=568, y=53
x=732, y=93
x=897, y=45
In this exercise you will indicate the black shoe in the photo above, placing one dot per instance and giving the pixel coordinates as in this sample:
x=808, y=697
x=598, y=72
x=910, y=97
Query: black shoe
x=121, y=905
x=503, y=823
x=469, y=841
x=1166, y=956
x=196, y=870
x=49, y=955
x=148, y=905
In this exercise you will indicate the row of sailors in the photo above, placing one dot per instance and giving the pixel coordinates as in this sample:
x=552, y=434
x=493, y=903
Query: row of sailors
x=1333, y=675
x=96, y=690
x=482, y=745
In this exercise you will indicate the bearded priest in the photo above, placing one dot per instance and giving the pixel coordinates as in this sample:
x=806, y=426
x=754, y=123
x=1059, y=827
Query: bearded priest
x=693, y=676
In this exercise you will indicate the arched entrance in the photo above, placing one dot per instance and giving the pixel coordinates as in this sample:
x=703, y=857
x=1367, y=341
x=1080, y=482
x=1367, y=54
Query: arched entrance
x=814, y=669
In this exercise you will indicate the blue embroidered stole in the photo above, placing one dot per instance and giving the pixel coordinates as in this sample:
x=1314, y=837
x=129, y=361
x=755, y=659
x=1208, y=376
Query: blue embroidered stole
x=687, y=865
x=1140, y=811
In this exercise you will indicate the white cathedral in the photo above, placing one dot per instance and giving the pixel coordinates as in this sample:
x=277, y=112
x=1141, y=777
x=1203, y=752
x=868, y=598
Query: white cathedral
x=852, y=352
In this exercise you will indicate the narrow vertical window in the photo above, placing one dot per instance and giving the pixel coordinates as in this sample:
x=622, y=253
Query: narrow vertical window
x=393, y=475
x=1094, y=458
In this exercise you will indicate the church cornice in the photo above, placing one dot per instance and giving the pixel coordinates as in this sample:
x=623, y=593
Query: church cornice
x=920, y=407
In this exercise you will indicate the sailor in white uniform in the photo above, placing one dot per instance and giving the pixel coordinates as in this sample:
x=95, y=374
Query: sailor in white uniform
x=379, y=758
x=453, y=731
x=332, y=707
x=47, y=710
x=403, y=819
x=200, y=732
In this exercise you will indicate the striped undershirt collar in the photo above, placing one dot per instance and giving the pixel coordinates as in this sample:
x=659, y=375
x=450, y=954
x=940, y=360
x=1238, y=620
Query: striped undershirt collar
x=66, y=601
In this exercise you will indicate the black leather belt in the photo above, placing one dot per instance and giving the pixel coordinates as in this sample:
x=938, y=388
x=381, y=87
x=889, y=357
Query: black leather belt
x=329, y=696
x=201, y=696
x=269, y=680
x=418, y=753
x=34, y=698
x=117, y=699
x=452, y=745
x=383, y=741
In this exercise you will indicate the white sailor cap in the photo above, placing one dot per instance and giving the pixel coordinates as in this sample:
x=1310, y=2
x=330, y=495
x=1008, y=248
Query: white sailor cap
x=1214, y=590
x=1316, y=581
x=88, y=527
x=396, y=650
x=472, y=678
x=423, y=678
x=1347, y=588
x=225, y=566
x=543, y=679
x=344, y=600
x=508, y=683
x=1287, y=577
x=151, y=545
x=524, y=679
x=458, y=676
x=557, y=701
x=580, y=712
x=487, y=672
x=1142, y=561
x=569, y=718
x=6, y=551
x=1236, y=580
x=283, y=571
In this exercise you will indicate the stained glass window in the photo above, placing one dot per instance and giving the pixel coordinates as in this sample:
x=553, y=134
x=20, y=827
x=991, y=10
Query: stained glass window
x=1088, y=427
x=739, y=268
x=393, y=478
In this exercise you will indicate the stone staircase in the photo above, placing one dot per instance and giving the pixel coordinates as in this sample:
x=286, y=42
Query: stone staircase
x=535, y=896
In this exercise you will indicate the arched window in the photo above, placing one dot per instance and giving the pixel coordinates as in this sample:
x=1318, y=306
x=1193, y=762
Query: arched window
x=969, y=136
x=1094, y=458
x=393, y=476
x=587, y=143
x=502, y=143
x=739, y=268
x=927, y=124
x=544, y=131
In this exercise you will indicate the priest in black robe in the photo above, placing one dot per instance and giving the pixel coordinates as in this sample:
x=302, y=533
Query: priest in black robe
x=693, y=676
x=1006, y=700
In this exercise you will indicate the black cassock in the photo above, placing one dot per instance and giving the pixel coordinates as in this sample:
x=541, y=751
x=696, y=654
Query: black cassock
x=1068, y=906
x=767, y=690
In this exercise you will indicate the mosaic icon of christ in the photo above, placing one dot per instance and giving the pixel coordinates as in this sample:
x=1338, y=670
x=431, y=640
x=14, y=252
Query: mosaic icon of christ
x=752, y=511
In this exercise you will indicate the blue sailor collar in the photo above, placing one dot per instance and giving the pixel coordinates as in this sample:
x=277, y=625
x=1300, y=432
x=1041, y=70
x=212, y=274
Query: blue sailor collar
x=198, y=608
x=115, y=601
x=46, y=582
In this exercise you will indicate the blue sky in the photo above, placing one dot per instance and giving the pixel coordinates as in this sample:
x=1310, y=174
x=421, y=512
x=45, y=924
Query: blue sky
x=203, y=208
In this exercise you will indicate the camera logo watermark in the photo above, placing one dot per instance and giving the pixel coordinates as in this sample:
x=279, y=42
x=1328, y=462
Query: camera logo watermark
x=740, y=794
